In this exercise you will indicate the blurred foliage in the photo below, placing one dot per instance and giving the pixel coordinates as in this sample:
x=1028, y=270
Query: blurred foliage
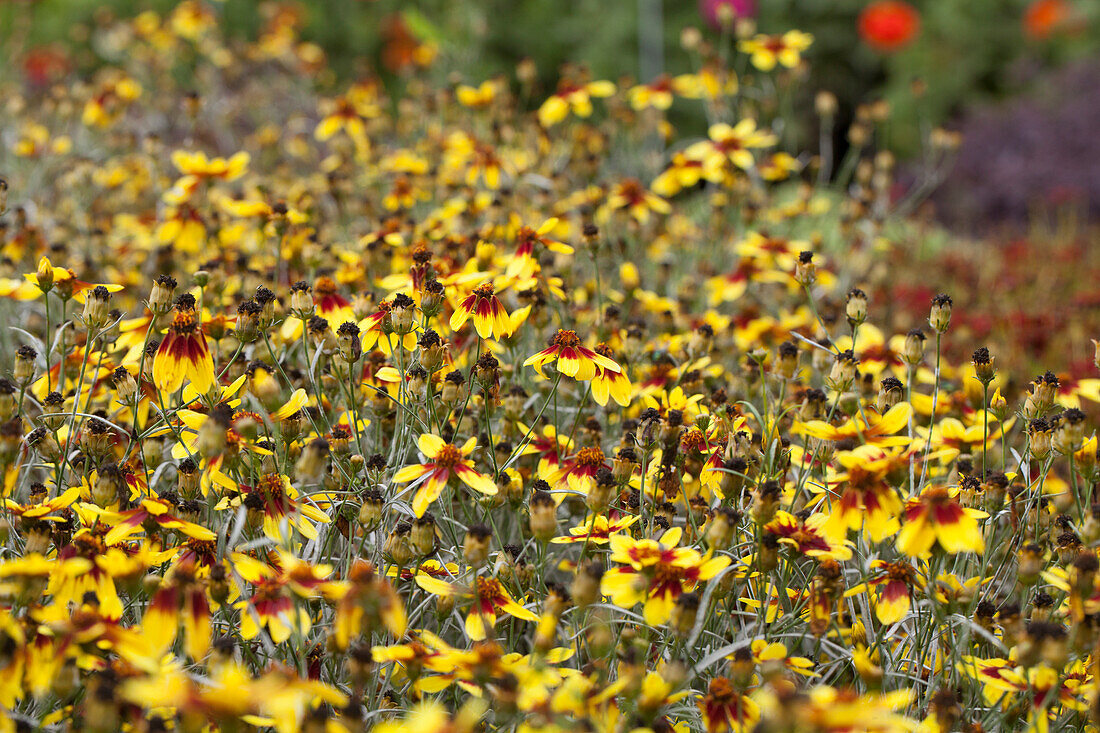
x=966, y=53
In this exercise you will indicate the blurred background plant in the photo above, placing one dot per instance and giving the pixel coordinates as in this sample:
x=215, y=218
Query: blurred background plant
x=954, y=55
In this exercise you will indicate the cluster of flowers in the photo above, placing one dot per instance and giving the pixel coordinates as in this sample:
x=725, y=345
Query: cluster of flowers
x=425, y=414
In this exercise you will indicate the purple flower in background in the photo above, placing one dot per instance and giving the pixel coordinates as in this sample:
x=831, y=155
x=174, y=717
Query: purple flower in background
x=741, y=9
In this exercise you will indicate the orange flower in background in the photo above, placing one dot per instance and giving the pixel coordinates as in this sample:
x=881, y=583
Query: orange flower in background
x=889, y=25
x=1044, y=18
x=184, y=355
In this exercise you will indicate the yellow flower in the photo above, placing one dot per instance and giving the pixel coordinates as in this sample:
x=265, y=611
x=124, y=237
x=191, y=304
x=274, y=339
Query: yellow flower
x=767, y=51
x=575, y=98
x=442, y=460
x=936, y=517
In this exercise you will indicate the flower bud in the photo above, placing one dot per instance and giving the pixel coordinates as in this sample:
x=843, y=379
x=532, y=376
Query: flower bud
x=843, y=372
x=805, y=270
x=349, y=343
x=913, y=352
x=983, y=366
x=44, y=274
x=95, y=308
x=370, y=511
x=124, y=383
x=603, y=492
x=786, y=363
x=856, y=307
x=398, y=546
x=475, y=546
x=890, y=392
x=544, y=516
x=940, y=316
x=423, y=534
x=161, y=294
x=586, y=584
x=301, y=300
x=402, y=313
x=23, y=371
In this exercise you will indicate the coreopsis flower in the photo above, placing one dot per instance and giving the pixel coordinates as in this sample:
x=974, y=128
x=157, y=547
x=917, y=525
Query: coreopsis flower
x=491, y=598
x=768, y=51
x=577, y=472
x=490, y=318
x=831, y=710
x=681, y=174
x=349, y=113
x=765, y=653
x=893, y=584
x=110, y=100
x=275, y=500
x=778, y=167
x=525, y=261
x=183, y=354
x=657, y=94
x=550, y=447
x=608, y=384
x=868, y=427
x=726, y=708
x=48, y=276
x=810, y=536
x=1047, y=690
x=729, y=144
x=635, y=199
x=442, y=461
x=156, y=511
x=571, y=358
x=479, y=96
x=597, y=530
x=197, y=168
x=575, y=98
x=181, y=591
x=656, y=573
x=866, y=499
x=936, y=517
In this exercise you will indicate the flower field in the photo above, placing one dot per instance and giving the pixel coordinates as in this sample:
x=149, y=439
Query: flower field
x=459, y=405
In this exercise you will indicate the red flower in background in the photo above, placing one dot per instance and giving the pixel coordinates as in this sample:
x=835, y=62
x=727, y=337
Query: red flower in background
x=45, y=65
x=888, y=25
x=1044, y=17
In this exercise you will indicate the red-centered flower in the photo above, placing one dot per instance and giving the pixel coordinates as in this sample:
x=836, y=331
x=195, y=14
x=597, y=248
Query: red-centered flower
x=894, y=583
x=490, y=317
x=571, y=357
x=726, y=708
x=274, y=496
x=490, y=596
x=155, y=511
x=937, y=517
x=441, y=461
x=889, y=25
x=597, y=530
x=184, y=355
x=809, y=536
x=182, y=591
x=578, y=472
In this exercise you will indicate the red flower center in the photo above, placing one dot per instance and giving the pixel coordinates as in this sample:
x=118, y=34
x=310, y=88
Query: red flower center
x=449, y=456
